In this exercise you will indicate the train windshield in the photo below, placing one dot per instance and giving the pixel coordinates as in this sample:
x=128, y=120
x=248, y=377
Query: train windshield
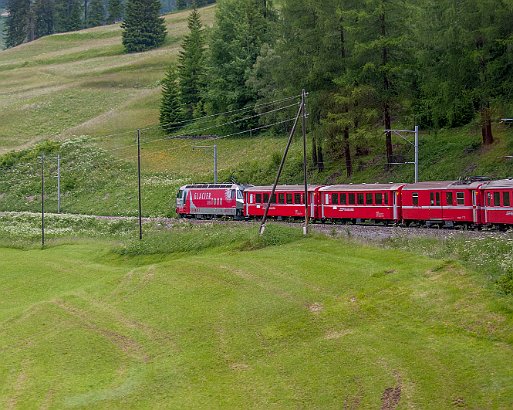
x=179, y=194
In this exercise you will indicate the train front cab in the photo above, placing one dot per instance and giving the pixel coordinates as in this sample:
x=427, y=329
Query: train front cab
x=210, y=201
x=287, y=202
x=362, y=202
x=498, y=204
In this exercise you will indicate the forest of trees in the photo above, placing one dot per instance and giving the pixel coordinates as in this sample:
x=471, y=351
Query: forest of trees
x=32, y=19
x=366, y=65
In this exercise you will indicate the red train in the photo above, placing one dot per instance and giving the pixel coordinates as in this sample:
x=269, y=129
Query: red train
x=466, y=203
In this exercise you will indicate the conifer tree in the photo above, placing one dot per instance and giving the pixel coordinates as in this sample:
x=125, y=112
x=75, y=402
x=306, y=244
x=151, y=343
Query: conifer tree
x=191, y=65
x=67, y=15
x=43, y=12
x=96, y=14
x=143, y=28
x=17, y=22
x=115, y=11
x=171, y=108
x=235, y=43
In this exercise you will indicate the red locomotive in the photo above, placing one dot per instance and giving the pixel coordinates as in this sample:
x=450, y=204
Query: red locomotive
x=210, y=200
x=466, y=203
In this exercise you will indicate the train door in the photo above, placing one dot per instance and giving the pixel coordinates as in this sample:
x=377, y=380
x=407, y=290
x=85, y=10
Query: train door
x=476, y=217
x=435, y=206
x=312, y=205
x=395, y=197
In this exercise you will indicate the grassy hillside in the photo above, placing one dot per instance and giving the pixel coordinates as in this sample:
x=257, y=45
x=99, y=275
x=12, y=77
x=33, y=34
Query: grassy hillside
x=200, y=320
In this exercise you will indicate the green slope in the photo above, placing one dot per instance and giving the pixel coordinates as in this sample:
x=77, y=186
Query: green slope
x=315, y=323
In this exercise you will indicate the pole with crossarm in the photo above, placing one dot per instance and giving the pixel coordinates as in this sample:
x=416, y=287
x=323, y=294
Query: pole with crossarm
x=415, y=145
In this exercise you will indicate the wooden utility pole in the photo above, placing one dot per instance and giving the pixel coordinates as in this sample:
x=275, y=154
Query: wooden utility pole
x=42, y=199
x=303, y=111
x=139, y=181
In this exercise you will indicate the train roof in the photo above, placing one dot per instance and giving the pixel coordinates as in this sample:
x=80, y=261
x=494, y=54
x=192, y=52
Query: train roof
x=211, y=186
x=282, y=188
x=362, y=187
x=429, y=185
x=501, y=183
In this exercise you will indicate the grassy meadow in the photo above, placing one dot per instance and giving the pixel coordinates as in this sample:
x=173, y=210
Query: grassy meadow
x=215, y=317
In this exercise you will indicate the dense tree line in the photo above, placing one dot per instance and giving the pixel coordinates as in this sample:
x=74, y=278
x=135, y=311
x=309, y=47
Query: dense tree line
x=31, y=19
x=366, y=65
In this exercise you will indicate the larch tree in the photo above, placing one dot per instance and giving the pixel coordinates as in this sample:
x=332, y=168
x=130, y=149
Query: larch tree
x=143, y=27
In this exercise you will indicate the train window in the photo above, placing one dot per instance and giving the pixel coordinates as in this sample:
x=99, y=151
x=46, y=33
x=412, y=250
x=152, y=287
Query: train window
x=431, y=198
x=239, y=195
x=297, y=198
x=385, y=197
x=281, y=198
x=449, y=198
x=273, y=198
x=460, y=198
x=415, y=199
x=496, y=199
x=506, y=199
x=289, y=199
x=258, y=198
x=334, y=199
x=438, y=199
x=351, y=199
x=179, y=194
x=266, y=198
x=379, y=199
x=489, y=199
x=343, y=199
x=360, y=199
x=368, y=199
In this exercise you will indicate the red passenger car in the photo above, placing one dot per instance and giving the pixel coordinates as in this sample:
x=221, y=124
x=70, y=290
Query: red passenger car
x=210, y=200
x=444, y=203
x=498, y=203
x=288, y=201
x=373, y=202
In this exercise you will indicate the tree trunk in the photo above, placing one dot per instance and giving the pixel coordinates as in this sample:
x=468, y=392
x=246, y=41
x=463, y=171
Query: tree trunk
x=347, y=153
x=486, y=125
x=314, y=153
x=320, y=158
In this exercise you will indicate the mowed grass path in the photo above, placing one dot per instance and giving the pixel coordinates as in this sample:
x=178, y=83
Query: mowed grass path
x=316, y=323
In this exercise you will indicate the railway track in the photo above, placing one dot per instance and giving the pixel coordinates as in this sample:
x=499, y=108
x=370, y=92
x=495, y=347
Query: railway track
x=358, y=231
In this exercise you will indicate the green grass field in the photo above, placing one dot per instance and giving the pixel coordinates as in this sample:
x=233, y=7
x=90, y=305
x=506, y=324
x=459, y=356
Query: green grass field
x=212, y=317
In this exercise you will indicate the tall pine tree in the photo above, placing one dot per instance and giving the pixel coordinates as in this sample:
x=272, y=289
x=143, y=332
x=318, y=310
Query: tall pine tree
x=143, y=28
x=191, y=67
x=43, y=12
x=96, y=14
x=115, y=11
x=236, y=40
x=17, y=22
x=171, y=107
